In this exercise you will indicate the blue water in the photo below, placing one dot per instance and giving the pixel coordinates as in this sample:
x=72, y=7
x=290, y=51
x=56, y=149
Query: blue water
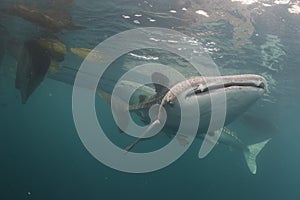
x=42, y=156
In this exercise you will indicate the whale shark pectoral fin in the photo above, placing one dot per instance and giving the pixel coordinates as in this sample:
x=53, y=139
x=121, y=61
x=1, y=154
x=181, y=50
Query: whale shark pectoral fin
x=251, y=154
x=152, y=127
x=129, y=147
x=210, y=140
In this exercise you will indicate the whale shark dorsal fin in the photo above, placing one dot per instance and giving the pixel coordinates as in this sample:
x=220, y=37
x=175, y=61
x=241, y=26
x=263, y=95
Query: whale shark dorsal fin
x=161, y=82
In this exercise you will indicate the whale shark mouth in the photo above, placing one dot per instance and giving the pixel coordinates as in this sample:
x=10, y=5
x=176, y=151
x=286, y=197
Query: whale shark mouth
x=230, y=85
x=254, y=83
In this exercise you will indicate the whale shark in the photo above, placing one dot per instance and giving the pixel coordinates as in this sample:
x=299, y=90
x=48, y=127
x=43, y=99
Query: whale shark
x=241, y=92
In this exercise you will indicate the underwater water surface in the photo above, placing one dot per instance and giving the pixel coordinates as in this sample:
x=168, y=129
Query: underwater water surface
x=42, y=156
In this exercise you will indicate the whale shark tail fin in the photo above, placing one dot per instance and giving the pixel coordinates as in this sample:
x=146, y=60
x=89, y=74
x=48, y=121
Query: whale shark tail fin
x=251, y=154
